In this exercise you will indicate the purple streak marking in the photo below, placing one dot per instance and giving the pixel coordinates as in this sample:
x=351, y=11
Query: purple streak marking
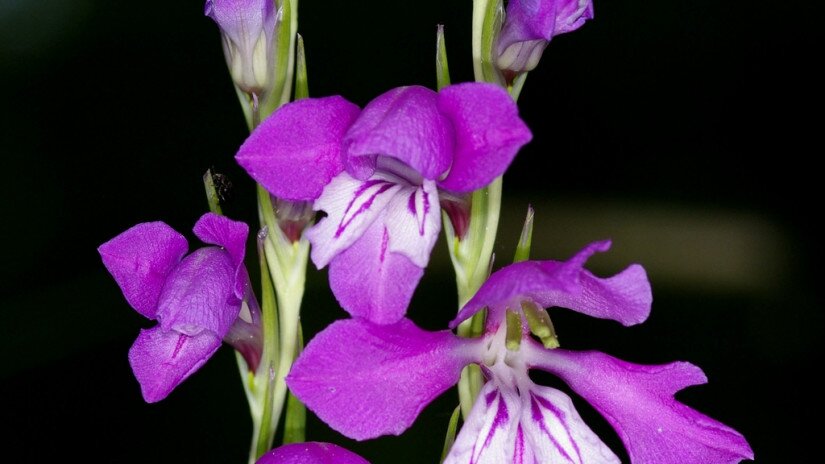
x=499, y=421
x=536, y=402
x=490, y=397
x=518, y=452
x=179, y=345
x=411, y=206
x=385, y=241
x=364, y=206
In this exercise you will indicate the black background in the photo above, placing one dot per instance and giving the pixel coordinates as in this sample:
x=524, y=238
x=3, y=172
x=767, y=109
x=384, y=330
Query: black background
x=678, y=128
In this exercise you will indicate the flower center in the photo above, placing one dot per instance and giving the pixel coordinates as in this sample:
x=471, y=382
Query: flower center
x=503, y=361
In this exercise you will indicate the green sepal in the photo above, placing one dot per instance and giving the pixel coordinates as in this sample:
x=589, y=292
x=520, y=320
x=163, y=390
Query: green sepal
x=526, y=238
x=442, y=68
x=301, y=82
x=452, y=428
x=211, y=193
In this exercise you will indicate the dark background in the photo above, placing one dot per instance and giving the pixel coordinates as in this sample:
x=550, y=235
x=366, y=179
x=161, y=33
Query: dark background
x=677, y=128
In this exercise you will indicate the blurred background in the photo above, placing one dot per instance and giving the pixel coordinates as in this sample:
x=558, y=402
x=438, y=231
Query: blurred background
x=675, y=128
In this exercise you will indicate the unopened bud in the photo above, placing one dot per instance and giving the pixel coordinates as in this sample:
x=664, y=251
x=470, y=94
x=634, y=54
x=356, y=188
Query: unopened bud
x=249, y=41
x=530, y=25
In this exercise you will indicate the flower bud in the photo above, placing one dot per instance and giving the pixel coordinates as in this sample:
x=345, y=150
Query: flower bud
x=248, y=29
x=529, y=26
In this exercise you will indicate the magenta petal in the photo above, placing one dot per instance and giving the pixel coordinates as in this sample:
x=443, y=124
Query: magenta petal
x=140, y=258
x=162, y=359
x=366, y=380
x=231, y=235
x=625, y=297
x=296, y=152
x=199, y=294
x=223, y=232
x=311, y=453
x=372, y=282
x=404, y=124
x=488, y=133
x=638, y=402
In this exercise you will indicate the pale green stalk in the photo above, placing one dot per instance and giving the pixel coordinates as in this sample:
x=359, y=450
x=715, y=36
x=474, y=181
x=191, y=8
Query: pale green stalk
x=296, y=412
x=261, y=385
x=471, y=258
x=472, y=254
x=287, y=268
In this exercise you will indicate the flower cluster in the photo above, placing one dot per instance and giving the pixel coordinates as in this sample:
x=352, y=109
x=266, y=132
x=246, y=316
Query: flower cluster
x=382, y=176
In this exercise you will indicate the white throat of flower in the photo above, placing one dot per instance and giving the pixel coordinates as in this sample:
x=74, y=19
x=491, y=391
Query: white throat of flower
x=504, y=363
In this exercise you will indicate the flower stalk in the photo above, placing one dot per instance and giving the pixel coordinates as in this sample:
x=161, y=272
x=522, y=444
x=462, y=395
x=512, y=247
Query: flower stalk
x=472, y=254
x=287, y=263
x=260, y=387
x=471, y=257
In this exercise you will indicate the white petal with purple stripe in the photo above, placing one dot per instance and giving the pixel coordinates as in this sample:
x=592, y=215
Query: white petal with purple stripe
x=413, y=222
x=528, y=425
x=351, y=206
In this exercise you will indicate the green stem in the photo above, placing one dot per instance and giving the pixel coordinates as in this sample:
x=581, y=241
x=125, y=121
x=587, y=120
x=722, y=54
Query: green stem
x=287, y=270
x=472, y=254
x=471, y=257
x=296, y=412
x=261, y=386
x=487, y=16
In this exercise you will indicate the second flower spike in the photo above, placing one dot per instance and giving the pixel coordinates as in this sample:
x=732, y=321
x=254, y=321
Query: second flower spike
x=378, y=174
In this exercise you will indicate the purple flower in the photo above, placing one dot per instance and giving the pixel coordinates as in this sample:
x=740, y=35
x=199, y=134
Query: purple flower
x=529, y=26
x=195, y=299
x=378, y=174
x=310, y=453
x=367, y=380
x=248, y=31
